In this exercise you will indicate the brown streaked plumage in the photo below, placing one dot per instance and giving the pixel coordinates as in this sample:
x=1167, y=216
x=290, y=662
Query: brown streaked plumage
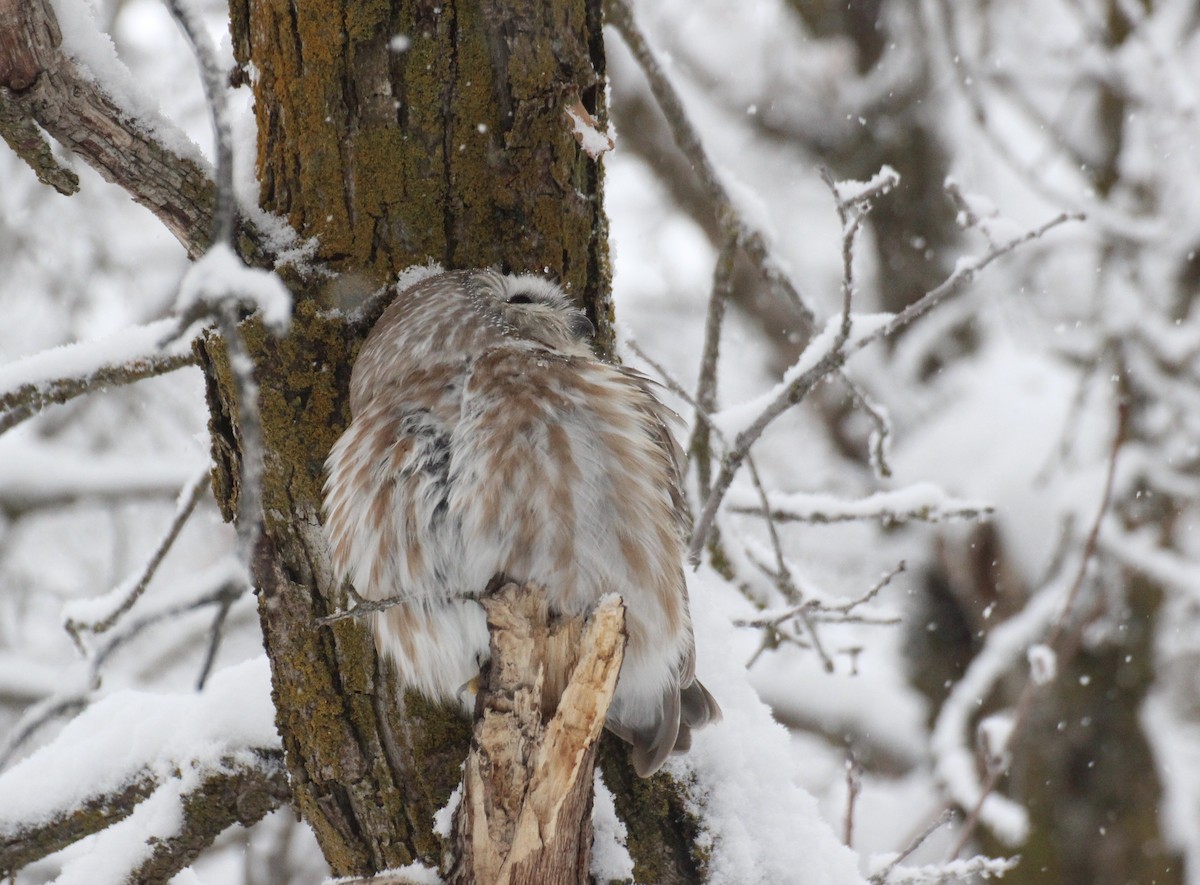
x=487, y=440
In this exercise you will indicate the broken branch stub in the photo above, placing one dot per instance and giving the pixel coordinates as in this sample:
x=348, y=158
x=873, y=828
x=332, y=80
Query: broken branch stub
x=525, y=814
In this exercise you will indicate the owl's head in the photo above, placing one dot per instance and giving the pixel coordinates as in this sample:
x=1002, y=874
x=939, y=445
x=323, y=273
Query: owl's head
x=535, y=309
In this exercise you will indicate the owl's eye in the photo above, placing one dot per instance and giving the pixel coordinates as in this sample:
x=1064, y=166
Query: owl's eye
x=520, y=298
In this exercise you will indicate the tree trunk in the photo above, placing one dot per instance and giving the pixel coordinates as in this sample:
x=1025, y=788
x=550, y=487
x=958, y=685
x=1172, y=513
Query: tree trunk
x=395, y=134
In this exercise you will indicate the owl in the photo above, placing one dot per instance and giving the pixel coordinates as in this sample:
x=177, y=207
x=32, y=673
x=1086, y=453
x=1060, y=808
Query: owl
x=487, y=440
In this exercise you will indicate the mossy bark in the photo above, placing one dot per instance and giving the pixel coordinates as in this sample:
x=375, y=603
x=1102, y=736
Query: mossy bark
x=394, y=133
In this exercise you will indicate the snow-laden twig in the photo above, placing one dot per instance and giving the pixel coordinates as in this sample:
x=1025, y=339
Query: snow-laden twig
x=83, y=616
x=828, y=352
x=881, y=876
x=75, y=698
x=966, y=870
x=751, y=241
x=62, y=373
x=922, y=501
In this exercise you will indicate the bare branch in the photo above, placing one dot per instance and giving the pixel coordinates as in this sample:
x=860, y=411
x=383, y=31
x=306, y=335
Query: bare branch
x=853, y=788
x=188, y=499
x=226, y=593
x=48, y=87
x=363, y=607
x=25, y=402
x=734, y=228
x=215, y=634
x=699, y=447
x=833, y=351
x=37, y=717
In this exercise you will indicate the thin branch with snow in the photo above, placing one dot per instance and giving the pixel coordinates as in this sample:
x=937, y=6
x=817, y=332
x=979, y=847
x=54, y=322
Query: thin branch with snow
x=59, y=375
x=922, y=502
x=751, y=241
x=881, y=876
x=196, y=763
x=829, y=351
x=967, y=870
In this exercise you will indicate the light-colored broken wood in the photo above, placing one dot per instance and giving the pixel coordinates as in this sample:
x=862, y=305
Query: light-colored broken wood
x=525, y=815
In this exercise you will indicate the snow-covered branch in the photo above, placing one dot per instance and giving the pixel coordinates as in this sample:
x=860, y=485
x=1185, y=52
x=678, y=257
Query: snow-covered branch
x=62, y=373
x=921, y=501
x=828, y=352
x=736, y=229
x=194, y=764
x=75, y=103
x=99, y=615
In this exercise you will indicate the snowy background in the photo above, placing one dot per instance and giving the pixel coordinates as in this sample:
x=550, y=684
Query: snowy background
x=1004, y=400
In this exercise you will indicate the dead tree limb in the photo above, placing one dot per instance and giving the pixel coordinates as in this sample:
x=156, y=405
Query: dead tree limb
x=525, y=815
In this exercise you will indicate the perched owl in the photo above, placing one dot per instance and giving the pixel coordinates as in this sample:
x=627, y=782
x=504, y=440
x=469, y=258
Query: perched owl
x=488, y=440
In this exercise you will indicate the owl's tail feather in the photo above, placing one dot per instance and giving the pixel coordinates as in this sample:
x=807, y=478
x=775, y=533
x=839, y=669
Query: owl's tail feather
x=682, y=711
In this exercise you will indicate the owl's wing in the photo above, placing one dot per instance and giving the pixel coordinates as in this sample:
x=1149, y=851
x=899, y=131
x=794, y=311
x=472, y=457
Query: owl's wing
x=385, y=497
x=659, y=420
x=687, y=702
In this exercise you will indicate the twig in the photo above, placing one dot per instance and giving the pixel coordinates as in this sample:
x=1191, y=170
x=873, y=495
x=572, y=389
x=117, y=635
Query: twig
x=27, y=400
x=912, y=514
x=135, y=628
x=786, y=584
x=364, y=607
x=751, y=241
x=940, y=821
x=700, y=445
x=36, y=717
x=224, y=216
x=875, y=590
x=71, y=702
x=775, y=619
x=217, y=631
x=188, y=499
x=853, y=787
x=835, y=357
